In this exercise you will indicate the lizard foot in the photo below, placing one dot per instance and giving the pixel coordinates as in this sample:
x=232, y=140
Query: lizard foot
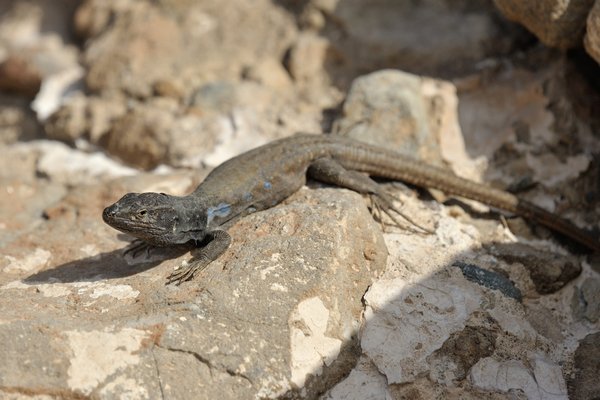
x=218, y=242
x=382, y=203
x=186, y=271
x=136, y=247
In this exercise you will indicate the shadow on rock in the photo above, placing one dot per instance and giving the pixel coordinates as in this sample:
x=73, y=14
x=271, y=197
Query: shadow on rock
x=109, y=265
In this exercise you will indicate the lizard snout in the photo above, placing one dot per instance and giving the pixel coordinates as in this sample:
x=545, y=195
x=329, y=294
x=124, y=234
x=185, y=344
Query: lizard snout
x=109, y=213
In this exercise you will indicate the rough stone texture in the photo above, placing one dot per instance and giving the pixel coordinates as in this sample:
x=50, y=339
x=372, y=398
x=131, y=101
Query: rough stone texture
x=304, y=303
x=586, y=300
x=18, y=76
x=82, y=117
x=303, y=281
x=416, y=115
x=584, y=383
x=542, y=381
x=592, y=33
x=367, y=36
x=140, y=43
x=548, y=271
x=392, y=103
x=557, y=23
x=407, y=322
x=17, y=121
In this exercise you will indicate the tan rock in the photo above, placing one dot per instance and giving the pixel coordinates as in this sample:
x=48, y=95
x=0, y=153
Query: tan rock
x=557, y=23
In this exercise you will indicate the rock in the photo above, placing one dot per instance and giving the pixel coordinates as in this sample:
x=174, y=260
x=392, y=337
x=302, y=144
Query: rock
x=24, y=196
x=399, y=340
x=36, y=59
x=308, y=56
x=93, y=17
x=195, y=43
x=592, y=34
x=388, y=107
x=409, y=113
x=549, y=272
x=586, y=300
x=17, y=75
x=545, y=381
x=17, y=121
x=85, y=117
x=584, y=384
x=149, y=44
x=283, y=313
x=270, y=73
x=419, y=38
x=363, y=382
x=556, y=23
x=73, y=167
x=225, y=119
x=299, y=276
x=141, y=137
x=452, y=362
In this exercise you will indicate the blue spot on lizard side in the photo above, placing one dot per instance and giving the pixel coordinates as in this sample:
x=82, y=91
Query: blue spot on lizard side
x=221, y=210
x=267, y=185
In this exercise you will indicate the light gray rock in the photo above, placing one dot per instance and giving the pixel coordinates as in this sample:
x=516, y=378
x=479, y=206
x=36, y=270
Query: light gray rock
x=388, y=107
x=284, y=311
x=545, y=381
x=279, y=313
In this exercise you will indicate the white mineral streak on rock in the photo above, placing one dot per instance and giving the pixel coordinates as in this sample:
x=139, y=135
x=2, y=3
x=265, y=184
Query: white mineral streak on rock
x=95, y=290
x=311, y=348
x=99, y=354
x=31, y=262
x=406, y=322
x=119, y=292
x=56, y=88
x=70, y=166
x=551, y=170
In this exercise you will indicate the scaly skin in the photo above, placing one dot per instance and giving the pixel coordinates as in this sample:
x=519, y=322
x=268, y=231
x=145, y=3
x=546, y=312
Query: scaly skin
x=263, y=177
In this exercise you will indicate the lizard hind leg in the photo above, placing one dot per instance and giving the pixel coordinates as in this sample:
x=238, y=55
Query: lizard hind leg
x=330, y=171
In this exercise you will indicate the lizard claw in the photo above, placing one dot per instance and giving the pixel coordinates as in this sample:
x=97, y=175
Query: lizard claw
x=137, y=246
x=186, y=271
x=382, y=203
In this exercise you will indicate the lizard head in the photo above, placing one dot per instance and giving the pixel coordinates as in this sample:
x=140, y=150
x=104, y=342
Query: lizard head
x=156, y=218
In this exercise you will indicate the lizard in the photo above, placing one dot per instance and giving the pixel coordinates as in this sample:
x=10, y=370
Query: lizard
x=265, y=176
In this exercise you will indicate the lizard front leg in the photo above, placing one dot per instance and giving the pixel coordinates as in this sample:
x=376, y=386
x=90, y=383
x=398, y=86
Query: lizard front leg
x=219, y=241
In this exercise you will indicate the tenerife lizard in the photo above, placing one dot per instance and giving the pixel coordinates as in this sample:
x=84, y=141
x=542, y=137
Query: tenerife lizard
x=265, y=176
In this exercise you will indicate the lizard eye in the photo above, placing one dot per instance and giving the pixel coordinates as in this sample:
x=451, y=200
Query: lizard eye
x=141, y=213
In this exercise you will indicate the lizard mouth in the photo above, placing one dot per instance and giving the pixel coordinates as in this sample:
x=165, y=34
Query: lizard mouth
x=141, y=229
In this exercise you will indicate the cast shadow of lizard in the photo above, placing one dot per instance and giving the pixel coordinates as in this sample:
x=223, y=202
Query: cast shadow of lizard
x=109, y=265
